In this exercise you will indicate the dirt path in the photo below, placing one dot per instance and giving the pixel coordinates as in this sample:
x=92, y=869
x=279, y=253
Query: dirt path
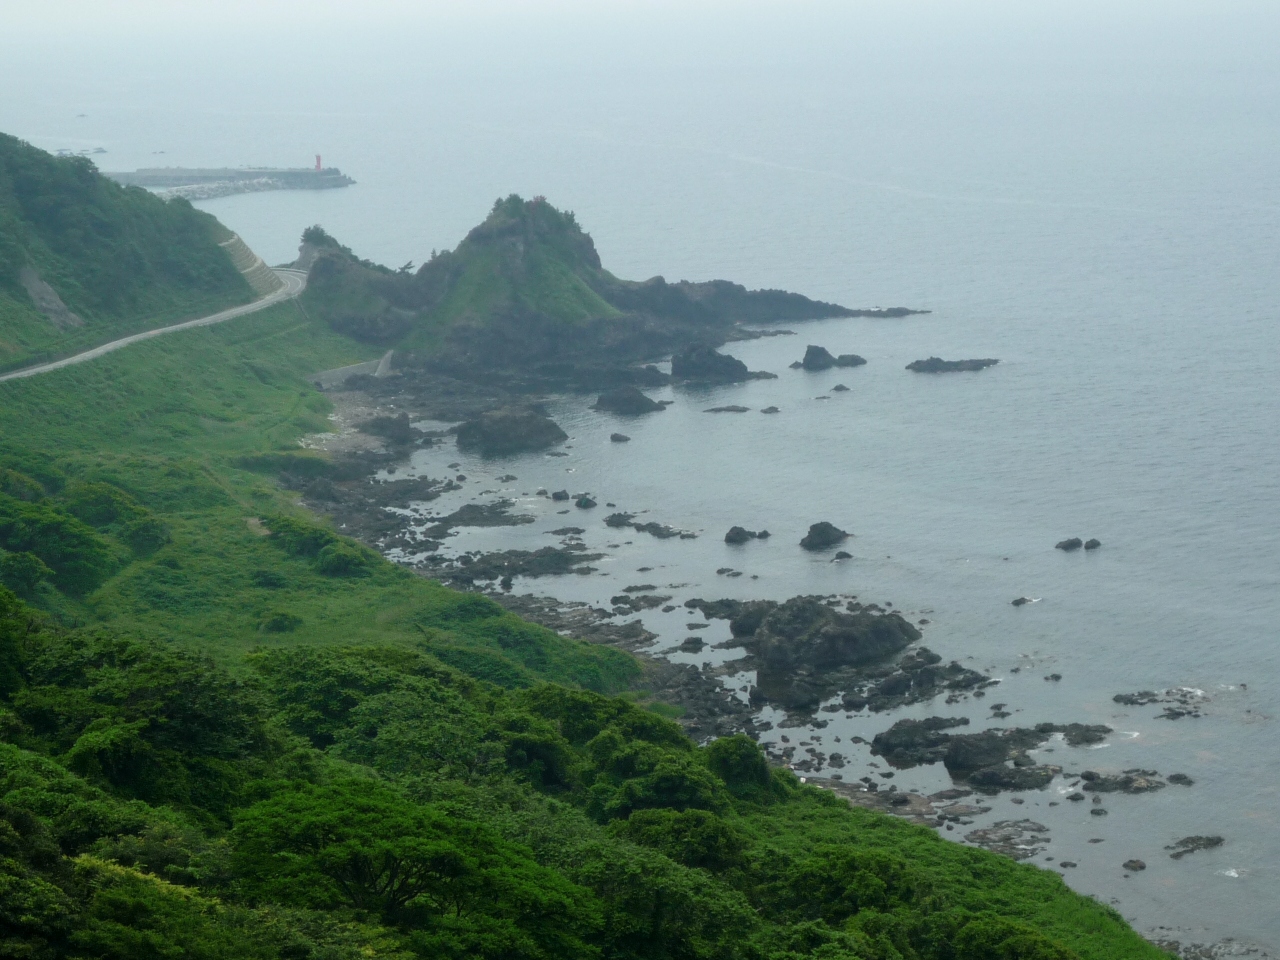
x=294, y=283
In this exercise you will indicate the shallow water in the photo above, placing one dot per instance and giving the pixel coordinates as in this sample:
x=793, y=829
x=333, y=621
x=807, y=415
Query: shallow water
x=1094, y=201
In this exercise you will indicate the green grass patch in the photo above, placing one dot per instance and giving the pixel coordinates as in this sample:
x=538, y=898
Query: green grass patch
x=190, y=429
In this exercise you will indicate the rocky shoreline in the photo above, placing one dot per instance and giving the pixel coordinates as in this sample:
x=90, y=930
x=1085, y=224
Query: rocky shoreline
x=808, y=660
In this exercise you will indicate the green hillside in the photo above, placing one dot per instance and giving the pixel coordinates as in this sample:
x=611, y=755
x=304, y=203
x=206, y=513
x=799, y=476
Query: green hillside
x=525, y=287
x=84, y=260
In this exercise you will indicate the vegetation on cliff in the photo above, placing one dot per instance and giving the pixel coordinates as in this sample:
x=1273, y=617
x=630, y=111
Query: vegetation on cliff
x=83, y=259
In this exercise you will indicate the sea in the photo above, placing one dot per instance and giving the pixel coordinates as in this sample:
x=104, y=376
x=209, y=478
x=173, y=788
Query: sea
x=1089, y=194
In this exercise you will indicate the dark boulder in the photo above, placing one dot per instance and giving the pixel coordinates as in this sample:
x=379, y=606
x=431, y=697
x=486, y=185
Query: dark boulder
x=737, y=535
x=732, y=408
x=938, y=365
x=702, y=363
x=627, y=401
x=511, y=430
x=822, y=535
x=584, y=502
x=1134, y=865
x=769, y=410
x=560, y=495
x=839, y=388
x=1021, y=601
x=1092, y=544
x=619, y=438
x=805, y=631
x=843, y=555
x=1074, y=543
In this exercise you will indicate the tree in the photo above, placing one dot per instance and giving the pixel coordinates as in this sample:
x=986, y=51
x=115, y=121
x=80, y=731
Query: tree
x=22, y=572
x=361, y=844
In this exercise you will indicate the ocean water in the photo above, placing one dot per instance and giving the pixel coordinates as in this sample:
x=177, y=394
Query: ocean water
x=1092, y=197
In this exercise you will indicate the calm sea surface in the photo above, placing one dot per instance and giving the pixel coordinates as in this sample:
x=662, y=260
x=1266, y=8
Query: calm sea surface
x=1095, y=202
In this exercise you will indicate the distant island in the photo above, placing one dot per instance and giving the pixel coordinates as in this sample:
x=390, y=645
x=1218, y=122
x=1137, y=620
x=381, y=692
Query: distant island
x=208, y=184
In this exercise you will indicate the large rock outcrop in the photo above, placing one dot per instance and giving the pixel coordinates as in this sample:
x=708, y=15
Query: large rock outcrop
x=510, y=430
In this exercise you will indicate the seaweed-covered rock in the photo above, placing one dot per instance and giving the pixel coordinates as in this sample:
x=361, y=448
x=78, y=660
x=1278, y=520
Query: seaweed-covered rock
x=822, y=535
x=510, y=430
x=1072, y=543
x=1191, y=844
x=938, y=365
x=627, y=401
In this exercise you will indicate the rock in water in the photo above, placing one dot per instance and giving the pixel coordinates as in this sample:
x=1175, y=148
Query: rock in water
x=704, y=364
x=849, y=360
x=1022, y=601
x=1192, y=844
x=738, y=535
x=1092, y=544
x=839, y=388
x=584, y=502
x=1135, y=865
x=510, y=430
x=1074, y=543
x=732, y=408
x=560, y=495
x=822, y=535
x=938, y=365
x=817, y=358
x=628, y=401
x=769, y=410
x=619, y=438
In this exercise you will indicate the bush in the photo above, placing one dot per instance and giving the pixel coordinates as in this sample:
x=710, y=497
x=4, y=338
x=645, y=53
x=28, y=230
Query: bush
x=101, y=504
x=740, y=763
x=78, y=555
x=299, y=538
x=280, y=622
x=696, y=838
x=145, y=534
x=340, y=559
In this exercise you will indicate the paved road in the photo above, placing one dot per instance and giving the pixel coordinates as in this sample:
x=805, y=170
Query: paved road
x=294, y=283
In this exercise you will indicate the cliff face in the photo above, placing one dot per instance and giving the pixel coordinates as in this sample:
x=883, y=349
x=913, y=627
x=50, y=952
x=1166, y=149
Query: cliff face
x=525, y=289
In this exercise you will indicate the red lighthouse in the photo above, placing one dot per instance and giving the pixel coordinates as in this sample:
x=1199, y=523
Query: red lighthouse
x=317, y=163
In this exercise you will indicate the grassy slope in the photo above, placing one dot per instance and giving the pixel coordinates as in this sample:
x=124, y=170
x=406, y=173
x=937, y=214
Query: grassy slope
x=167, y=421
x=120, y=258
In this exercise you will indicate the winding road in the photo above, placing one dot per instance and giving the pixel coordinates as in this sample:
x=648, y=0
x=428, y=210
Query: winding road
x=295, y=281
